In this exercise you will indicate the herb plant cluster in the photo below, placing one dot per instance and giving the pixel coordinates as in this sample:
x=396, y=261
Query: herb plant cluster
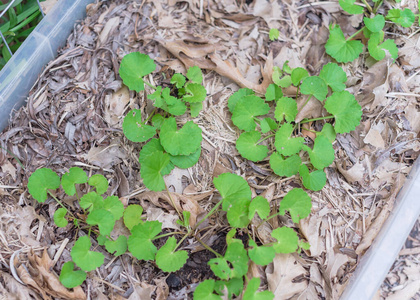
x=344, y=49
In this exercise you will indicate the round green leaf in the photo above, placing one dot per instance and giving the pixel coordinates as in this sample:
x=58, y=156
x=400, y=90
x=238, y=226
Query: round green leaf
x=195, y=109
x=195, y=75
x=186, y=161
x=247, y=146
x=315, y=180
x=314, y=86
x=132, y=215
x=152, y=170
x=375, y=24
x=114, y=206
x=237, y=213
x=334, y=76
x=237, y=96
x=287, y=240
x=284, y=143
x=194, y=93
x=180, y=142
x=134, y=129
x=261, y=255
x=328, y=131
x=70, y=278
x=273, y=92
x=350, y=7
x=133, y=68
x=91, y=201
x=99, y=182
x=42, y=180
x=340, y=49
x=246, y=109
x=286, y=108
x=220, y=267
x=345, y=109
x=178, y=80
x=376, y=50
x=298, y=203
x=60, y=217
x=298, y=74
x=68, y=180
x=323, y=154
x=251, y=292
x=259, y=205
x=169, y=260
x=157, y=121
x=231, y=187
x=117, y=247
x=140, y=241
x=405, y=17
x=205, y=291
x=285, y=167
x=268, y=124
x=103, y=218
x=146, y=154
x=87, y=260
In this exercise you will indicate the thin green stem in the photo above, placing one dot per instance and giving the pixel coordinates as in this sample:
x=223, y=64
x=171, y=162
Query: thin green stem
x=367, y=6
x=167, y=234
x=208, y=215
x=377, y=5
x=257, y=120
x=354, y=34
x=208, y=247
x=309, y=130
x=317, y=119
x=61, y=204
x=180, y=242
x=14, y=156
x=269, y=218
x=306, y=103
x=150, y=116
x=150, y=85
x=266, y=138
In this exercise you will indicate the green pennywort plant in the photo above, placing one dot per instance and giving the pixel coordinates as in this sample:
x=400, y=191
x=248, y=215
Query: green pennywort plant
x=168, y=145
x=344, y=49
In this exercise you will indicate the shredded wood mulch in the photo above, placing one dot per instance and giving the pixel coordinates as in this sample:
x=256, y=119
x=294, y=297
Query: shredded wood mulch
x=74, y=114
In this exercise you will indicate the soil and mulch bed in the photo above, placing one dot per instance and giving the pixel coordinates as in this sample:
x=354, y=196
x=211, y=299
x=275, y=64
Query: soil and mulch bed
x=74, y=114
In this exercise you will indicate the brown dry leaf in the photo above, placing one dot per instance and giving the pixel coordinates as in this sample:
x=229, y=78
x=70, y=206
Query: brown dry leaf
x=44, y=281
x=143, y=291
x=167, y=220
x=106, y=156
x=355, y=173
x=26, y=216
x=280, y=275
x=408, y=291
x=115, y=104
x=310, y=229
x=109, y=28
x=182, y=202
x=413, y=116
x=313, y=109
x=12, y=290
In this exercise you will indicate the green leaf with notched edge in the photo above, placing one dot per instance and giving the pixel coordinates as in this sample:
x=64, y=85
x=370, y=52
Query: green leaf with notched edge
x=236, y=96
x=68, y=180
x=205, y=291
x=234, y=286
x=247, y=146
x=268, y=124
x=377, y=51
x=284, y=82
x=261, y=255
x=101, y=240
x=328, y=131
x=405, y=17
x=231, y=187
x=169, y=260
x=286, y=108
x=274, y=34
x=298, y=203
x=140, y=241
x=285, y=144
x=260, y=206
x=99, y=182
x=350, y=7
x=114, y=206
x=91, y=201
x=251, y=292
x=340, y=49
x=314, y=86
x=180, y=142
x=170, y=104
x=334, y=77
x=346, y=111
x=314, y=181
x=195, y=109
x=220, y=267
x=157, y=121
x=298, y=74
x=273, y=92
x=375, y=24
x=117, y=247
x=86, y=260
x=322, y=155
x=246, y=109
x=134, y=129
x=287, y=240
x=237, y=213
x=132, y=215
x=147, y=152
x=152, y=170
x=60, y=217
x=285, y=167
x=70, y=278
x=195, y=75
x=178, y=80
x=194, y=93
x=133, y=68
x=186, y=161
x=103, y=218
x=42, y=180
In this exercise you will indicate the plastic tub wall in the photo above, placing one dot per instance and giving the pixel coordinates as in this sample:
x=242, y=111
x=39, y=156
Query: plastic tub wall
x=22, y=70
